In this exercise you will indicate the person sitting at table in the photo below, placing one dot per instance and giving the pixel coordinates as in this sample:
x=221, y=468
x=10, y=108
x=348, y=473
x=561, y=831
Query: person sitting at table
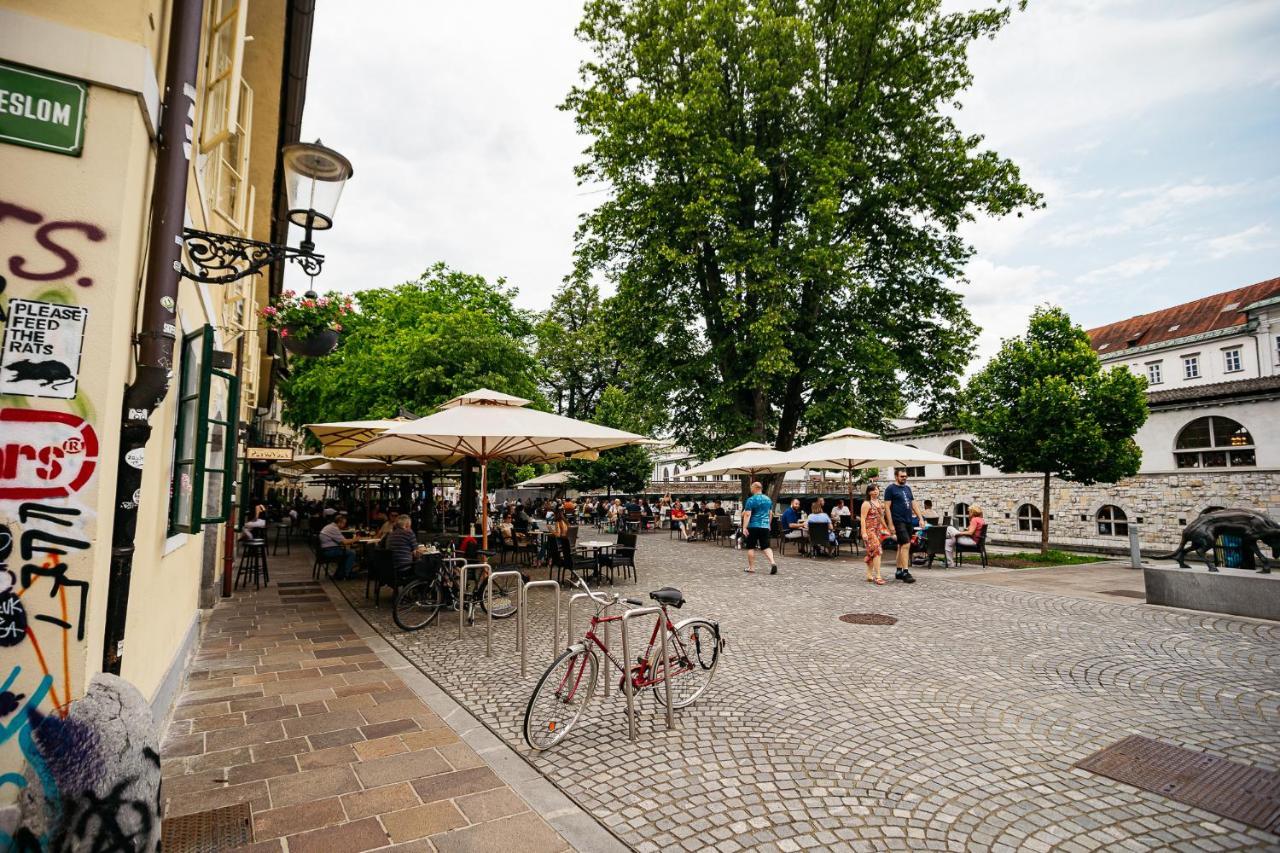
x=819, y=516
x=334, y=546
x=793, y=521
x=402, y=543
x=930, y=514
x=255, y=528
x=388, y=525
x=968, y=536
x=840, y=510
x=678, y=519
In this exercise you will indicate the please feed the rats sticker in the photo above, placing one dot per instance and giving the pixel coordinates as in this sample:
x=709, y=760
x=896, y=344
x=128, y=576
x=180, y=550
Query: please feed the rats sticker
x=42, y=342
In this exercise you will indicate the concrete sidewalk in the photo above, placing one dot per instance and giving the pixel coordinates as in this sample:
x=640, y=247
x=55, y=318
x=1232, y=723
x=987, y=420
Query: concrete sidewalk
x=286, y=709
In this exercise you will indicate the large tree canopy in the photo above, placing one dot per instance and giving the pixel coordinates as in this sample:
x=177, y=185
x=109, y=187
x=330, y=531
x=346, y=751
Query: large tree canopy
x=414, y=346
x=1045, y=405
x=785, y=186
x=577, y=357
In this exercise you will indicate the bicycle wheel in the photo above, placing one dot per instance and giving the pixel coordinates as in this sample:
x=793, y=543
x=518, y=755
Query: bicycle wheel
x=418, y=604
x=694, y=651
x=504, y=598
x=560, y=697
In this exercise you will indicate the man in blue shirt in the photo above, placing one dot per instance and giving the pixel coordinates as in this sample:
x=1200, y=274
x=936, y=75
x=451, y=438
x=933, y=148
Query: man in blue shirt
x=904, y=509
x=757, y=516
x=793, y=520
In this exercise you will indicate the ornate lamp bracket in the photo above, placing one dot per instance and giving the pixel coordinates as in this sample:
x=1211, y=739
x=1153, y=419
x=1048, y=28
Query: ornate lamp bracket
x=222, y=258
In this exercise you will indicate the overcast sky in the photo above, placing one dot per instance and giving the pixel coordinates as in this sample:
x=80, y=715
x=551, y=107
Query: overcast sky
x=1151, y=126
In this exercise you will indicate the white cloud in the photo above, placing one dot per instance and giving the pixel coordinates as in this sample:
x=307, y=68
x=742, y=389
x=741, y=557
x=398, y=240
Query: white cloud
x=1147, y=208
x=1127, y=268
x=1001, y=298
x=1249, y=240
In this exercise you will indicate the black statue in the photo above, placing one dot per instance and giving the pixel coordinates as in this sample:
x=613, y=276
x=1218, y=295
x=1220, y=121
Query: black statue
x=1250, y=525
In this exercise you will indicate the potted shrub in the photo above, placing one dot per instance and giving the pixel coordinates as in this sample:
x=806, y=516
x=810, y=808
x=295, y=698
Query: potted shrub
x=308, y=324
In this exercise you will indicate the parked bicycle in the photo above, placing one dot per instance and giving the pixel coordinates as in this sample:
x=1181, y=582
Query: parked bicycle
x=562, y=694
x=435, y=588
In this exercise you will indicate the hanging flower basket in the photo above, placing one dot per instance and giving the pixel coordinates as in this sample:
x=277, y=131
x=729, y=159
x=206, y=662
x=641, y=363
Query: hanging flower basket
x=309, y=325
x=312, y=345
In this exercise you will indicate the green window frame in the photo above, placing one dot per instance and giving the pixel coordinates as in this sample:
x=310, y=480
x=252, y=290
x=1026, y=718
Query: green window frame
x=204, y=457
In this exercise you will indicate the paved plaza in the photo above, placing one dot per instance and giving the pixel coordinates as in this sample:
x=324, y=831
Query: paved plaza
x=955, y=728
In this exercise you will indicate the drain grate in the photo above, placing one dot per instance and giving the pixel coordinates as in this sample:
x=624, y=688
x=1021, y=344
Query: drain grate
x=226, y=828
x=1248, y=794
x=1126, y=593
x=868, y=619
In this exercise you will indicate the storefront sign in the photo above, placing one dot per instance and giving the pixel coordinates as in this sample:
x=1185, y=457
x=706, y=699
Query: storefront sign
x=41, y=350
x=273, y=453
x=42, y=111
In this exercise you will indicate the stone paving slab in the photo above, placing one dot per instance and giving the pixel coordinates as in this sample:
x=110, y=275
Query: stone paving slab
x=954, y=729
x=288, y=709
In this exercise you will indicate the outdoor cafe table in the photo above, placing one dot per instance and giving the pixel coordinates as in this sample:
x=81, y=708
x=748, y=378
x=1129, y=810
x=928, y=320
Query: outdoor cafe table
x=595, y=547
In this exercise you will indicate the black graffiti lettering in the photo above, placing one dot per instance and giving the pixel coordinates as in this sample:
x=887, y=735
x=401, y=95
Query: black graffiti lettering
x=98, y=821
x=45, y=512
x=30, y=536
x=6, y=543
x=53, y=620
x=59, y=575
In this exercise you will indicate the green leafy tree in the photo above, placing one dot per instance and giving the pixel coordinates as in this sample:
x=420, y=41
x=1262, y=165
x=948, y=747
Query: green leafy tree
x=623, y=469
x=1045, y=405
x=575, y=351
x=414, y=346
x=785, y=187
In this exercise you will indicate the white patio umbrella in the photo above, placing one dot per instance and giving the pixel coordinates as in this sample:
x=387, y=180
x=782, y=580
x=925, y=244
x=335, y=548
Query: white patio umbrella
x=490, y=427
x=850, y=449
x=751, y=458
x=341, y=437
x=555, y=478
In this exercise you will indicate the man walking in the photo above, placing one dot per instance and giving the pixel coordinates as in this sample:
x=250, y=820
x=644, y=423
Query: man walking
x=903, y=510
x=756, y=517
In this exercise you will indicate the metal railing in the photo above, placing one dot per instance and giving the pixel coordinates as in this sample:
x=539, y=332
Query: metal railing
x=626, y=677
x=568, y=633
x=463, y=571
x=523, y=622
x=488, y=608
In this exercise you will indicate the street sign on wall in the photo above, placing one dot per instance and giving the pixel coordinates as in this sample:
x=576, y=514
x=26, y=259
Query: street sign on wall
x=280, y=454
x=41, y=110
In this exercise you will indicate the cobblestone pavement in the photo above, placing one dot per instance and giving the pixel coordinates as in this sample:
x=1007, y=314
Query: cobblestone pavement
x=954, y=729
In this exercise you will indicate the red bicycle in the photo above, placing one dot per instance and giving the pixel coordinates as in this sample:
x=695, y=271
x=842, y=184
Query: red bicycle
x=562, y=694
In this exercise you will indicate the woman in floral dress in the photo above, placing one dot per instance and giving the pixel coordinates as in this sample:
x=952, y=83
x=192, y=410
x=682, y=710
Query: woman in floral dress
x=875, y=521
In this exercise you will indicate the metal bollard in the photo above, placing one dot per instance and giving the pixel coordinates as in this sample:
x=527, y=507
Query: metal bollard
x=488, y=609
x=626, y=678
x=1135, y=550
x=524, y=622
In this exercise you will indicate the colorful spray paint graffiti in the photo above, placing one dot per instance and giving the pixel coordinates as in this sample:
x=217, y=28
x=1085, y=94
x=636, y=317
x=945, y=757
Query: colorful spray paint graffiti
x=79, y=765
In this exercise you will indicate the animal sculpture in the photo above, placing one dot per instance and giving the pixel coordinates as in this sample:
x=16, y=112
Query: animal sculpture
x=1250, y=525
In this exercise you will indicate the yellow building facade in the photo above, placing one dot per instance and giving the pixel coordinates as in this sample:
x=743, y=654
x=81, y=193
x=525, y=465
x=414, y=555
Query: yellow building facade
x=82, y=100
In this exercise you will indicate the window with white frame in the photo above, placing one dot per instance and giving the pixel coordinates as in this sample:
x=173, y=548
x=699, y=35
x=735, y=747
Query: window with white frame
x=1231, y=360
x=1112, y=521
x=965, y=450
x=1214, y=442
x=960, y=515
x=1154, y=372
x=1029, y=518
x=1191, y=366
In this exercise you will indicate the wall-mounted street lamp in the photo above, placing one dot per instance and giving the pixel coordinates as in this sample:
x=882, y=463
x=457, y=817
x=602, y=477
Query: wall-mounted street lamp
x=314, y=177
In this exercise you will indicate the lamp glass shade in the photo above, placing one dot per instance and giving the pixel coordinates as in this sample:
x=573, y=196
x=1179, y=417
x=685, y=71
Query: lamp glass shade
x=314, y=178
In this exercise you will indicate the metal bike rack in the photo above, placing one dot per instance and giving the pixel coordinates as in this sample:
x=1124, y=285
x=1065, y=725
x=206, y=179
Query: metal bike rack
x=568, y=634
x=462, y=592
x=626, y=673
x=523, y=624
x=488, y=609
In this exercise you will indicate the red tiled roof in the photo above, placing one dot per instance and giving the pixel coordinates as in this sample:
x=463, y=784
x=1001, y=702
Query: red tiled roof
x=1219, y=311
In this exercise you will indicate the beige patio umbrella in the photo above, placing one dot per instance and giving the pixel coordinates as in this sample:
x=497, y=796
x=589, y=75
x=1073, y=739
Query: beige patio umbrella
x=341, y=437
x=850, y=449
x=751, y=458
x=555, y=478
x=491, y=426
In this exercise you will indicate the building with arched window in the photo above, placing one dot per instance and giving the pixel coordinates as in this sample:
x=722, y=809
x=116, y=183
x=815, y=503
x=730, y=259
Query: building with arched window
x=1212, y=438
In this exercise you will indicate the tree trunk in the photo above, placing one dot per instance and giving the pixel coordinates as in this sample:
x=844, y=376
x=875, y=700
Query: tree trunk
x=1044, y=517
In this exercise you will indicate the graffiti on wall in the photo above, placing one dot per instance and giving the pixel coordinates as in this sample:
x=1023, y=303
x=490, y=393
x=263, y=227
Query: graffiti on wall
x=78, y=764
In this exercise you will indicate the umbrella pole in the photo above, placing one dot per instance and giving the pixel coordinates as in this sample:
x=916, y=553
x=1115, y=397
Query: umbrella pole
x=484, y=504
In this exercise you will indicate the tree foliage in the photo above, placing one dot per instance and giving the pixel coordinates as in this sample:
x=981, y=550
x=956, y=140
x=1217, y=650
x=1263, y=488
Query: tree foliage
x=414, y=346
x=623, y=469
x=1045, y=405
x=575, y=351
x=785, y=184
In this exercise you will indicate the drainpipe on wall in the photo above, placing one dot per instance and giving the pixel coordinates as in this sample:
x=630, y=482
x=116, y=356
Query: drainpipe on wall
x=154, y=365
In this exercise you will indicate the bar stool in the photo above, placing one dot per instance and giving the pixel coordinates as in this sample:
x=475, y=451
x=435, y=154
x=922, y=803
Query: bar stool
x=253, y=562
x=285, y=528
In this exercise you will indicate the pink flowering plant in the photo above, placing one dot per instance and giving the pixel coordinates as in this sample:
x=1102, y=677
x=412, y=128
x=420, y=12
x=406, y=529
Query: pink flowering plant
x=304, y=316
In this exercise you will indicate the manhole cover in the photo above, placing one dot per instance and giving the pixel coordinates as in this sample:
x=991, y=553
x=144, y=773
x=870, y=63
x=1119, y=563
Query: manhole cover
x=1126, y=593
x=226, y=828
x=1248, y=794
x=868, y=619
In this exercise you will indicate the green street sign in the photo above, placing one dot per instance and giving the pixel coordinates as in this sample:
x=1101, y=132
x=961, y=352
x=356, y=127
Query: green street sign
x=42, y=111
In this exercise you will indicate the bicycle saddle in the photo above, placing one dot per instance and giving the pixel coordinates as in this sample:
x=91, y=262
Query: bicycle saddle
x=669, y=596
